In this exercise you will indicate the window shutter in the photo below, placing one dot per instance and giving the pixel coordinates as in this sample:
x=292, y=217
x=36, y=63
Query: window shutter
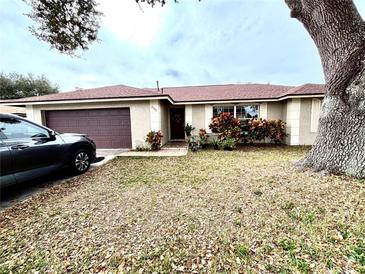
x=263, y=111
x=316, y=110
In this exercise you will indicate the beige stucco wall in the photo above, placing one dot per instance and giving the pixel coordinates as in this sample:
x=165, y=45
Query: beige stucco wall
x=283, y=111
x=293, y=121
x=283, y=114
x=263, y=110
x=297, y=114
x=199, y=118
x=164, y=121
x=306, y=137
x=140, y=115
x=275, y=110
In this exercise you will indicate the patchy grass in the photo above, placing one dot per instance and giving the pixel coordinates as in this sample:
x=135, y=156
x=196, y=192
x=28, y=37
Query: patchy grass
x=212, y=211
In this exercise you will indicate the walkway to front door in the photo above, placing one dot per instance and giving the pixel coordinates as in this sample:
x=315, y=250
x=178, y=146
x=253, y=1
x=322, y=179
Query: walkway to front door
x=171, y=149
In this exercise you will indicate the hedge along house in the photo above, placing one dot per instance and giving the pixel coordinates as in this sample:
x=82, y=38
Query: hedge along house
x=121, y=116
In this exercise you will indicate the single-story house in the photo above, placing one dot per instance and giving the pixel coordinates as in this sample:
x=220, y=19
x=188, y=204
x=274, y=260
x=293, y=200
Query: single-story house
x=120, y=116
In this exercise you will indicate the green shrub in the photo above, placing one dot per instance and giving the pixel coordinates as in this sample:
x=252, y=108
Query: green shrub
x=154, y=138
x=194, y=143
x=188, y=129
x=226, y=126
x=215, y=143
x=259, y=129
x=229, y=143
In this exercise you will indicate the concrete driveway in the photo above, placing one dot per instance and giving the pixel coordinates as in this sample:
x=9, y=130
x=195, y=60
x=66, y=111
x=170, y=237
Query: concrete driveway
x=21, y=192
x=105, y=155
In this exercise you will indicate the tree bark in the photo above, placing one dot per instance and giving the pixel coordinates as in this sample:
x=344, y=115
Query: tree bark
x=339, y=34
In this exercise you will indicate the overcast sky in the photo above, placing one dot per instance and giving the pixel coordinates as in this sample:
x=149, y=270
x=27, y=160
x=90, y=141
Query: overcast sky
x=189, y=43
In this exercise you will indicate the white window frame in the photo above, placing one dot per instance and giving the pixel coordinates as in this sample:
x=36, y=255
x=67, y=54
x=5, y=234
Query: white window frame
x=235, y=109
x=247, y=105
x=224, y=105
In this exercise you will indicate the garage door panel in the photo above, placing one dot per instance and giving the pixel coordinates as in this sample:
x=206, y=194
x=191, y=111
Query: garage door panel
x=109, y=128
x=116, y=123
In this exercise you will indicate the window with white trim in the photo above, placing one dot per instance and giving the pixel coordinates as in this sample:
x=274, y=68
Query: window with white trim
x=315, y=112
x=247, y=112
x=238, y=111
x=217, y=110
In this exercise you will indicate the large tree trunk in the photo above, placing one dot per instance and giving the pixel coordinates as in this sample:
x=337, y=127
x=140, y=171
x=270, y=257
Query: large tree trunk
x=339, y=34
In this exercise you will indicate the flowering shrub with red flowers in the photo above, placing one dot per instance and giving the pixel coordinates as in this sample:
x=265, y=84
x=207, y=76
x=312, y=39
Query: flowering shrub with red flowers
x=226, y=126
x=154, y=138
x=203, y=135
x=276, y=129
x=259, y=129
x=203, y=138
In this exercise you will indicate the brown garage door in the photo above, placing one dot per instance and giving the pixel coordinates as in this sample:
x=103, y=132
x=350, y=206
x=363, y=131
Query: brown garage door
x=109, y=128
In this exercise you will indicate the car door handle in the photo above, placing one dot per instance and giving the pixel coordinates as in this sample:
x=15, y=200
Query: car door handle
x=19, y=147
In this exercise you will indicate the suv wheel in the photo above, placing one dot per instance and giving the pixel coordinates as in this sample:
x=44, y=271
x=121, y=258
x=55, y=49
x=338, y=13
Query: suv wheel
x=81, y=161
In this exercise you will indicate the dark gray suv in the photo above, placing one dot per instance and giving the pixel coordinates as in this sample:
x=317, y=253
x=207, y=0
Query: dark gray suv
x=28, y=150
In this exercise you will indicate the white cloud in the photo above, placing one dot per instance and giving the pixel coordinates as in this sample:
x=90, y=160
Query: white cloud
x=133, y=23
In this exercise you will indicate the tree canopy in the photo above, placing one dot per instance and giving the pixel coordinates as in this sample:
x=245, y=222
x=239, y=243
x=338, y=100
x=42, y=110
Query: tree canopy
x=67, y=25
x=14, y=86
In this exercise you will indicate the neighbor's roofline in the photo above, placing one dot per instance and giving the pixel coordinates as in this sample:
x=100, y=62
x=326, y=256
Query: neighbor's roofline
x=159, y=97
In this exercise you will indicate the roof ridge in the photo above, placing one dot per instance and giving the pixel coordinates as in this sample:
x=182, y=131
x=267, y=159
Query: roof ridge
x=218, y=85
x=190, y=86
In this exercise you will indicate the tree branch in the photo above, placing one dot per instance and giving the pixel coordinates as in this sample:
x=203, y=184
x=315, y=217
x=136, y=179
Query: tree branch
x=338, y=32
x=346, y=72
x=296, y=8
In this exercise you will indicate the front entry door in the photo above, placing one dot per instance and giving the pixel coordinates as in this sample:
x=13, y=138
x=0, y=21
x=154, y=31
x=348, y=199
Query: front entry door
x=177, y=122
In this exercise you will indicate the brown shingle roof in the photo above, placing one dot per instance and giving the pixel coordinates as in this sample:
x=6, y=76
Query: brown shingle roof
x=239, y=92
x=226, y=92
x=184, y=94
x=306, y=89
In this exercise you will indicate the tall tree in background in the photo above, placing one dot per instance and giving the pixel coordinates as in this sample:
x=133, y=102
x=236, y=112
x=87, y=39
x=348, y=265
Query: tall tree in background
x=339, y=34
x=14, y=86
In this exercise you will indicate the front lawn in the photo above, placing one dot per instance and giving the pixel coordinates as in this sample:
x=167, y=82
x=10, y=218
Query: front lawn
x=212, y=211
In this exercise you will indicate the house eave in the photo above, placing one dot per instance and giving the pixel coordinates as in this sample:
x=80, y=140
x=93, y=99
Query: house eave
x=257, y=100
x=301, y=96
x=230, y=101
x=96, y=100
x=161, y=97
